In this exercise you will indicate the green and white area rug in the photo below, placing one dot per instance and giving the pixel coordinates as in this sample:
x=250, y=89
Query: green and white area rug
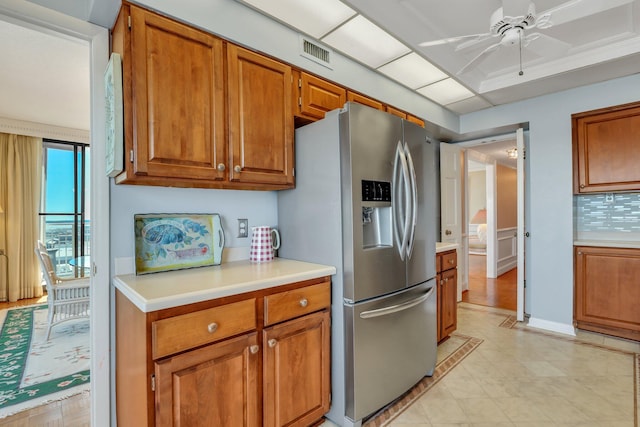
x=34, y=371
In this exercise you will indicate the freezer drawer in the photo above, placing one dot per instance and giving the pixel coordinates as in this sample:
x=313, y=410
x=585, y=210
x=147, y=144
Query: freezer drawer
x=390, y=345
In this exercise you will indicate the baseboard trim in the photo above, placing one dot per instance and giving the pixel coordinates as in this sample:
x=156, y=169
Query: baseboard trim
x=561, y=328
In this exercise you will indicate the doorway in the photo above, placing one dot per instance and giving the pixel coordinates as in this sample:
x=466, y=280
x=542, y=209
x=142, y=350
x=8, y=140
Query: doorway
x=45, y=20
x=492, y=223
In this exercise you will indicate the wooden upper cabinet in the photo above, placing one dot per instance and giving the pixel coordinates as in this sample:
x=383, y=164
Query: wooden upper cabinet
x=316, y=96
x=201, y=112
x=606, y=149
x=361, y=99
x=396, y=112
x=260, y=119
x=416, y=120
x=177, y=96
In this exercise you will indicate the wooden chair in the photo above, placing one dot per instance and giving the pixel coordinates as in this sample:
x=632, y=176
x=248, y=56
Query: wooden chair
x=68, y=299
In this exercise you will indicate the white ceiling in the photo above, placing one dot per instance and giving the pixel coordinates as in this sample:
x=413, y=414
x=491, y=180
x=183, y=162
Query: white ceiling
x=44, y=77
x=583, y=42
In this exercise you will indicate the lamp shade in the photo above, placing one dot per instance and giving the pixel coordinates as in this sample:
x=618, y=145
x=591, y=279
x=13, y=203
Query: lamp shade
x=480, y=217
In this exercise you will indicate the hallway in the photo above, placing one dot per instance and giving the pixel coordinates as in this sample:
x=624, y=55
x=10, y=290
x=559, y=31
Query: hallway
x=500, y=292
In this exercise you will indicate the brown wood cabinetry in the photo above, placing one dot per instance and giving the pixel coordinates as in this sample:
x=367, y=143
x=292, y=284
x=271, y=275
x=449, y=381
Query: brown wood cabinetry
x=256, y=359
x=296, y=371
x=177, y=83
x=260, y=120
x=447, y=279
x=364, y=100
x=606, y=291
x=316, y=96
x=606, y=151
x=416, y=120
x=396, y=112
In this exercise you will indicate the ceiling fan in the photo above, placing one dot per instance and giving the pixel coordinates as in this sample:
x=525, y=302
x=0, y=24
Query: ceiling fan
x=514, y=23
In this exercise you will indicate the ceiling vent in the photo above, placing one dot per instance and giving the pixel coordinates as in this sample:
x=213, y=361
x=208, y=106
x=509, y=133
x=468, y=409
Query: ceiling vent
x=315, y=52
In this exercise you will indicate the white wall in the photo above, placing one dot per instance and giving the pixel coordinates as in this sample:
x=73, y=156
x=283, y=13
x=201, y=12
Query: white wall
x=550, y=260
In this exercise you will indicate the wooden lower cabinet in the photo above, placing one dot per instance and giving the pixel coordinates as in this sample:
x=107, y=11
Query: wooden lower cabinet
x=447, y=279
x=244, y=370
x=296, y=377
x=606, y=291
x=216, y=385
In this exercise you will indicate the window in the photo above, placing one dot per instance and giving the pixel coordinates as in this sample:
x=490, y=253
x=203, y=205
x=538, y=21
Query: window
x=64, y=208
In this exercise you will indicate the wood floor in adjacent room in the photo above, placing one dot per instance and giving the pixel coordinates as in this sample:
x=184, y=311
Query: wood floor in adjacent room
x=74, y=411
x=499, y=292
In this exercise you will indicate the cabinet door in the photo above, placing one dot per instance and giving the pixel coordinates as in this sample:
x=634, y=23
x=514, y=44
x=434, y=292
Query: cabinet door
x=416, y=120
x=448, y=309
x=606, y=290
x=216, y=385
x=396, y=112
x=317, y=96
x=260, y=119
x=606, y=154
x=361, y=99
x=177, y=91
x=296, y=377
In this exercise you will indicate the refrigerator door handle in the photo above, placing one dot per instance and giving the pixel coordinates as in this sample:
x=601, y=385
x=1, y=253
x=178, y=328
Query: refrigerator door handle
x=414, y=201
x=397, y=307
x=401, y=177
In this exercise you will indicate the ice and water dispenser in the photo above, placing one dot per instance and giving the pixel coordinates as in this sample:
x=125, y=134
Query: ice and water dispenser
x=376, y=214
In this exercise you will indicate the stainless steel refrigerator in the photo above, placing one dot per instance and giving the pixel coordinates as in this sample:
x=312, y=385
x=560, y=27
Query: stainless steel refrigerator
x=364, y=202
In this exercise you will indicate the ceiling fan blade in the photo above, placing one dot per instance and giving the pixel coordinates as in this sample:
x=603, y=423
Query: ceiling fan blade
x=515, y=8
x=545, y=46
x=477, y=40
x=452, y=39
x=575, y=9
x=479, y=57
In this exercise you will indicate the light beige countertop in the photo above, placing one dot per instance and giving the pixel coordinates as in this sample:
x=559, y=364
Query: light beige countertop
x=443, y=246
x=608, y=243
x=157, y=291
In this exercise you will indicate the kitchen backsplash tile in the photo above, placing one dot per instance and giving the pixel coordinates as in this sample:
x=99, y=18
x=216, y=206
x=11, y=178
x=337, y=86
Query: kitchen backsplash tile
x=611, y=213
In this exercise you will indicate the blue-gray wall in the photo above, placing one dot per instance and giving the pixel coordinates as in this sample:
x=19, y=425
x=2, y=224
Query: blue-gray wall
x=550, y=192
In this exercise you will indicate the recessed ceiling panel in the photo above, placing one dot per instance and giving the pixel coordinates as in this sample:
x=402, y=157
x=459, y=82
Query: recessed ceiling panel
x=363, y=40
x=413, y=71
x=446, y=91
x=314, y=17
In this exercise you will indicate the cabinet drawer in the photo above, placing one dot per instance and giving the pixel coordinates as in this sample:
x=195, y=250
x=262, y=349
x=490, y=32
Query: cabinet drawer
x=448, y=260
x=297, y=302
x=186, y=331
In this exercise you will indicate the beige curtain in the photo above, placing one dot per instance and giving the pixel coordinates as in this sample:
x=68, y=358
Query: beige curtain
x=20, y=183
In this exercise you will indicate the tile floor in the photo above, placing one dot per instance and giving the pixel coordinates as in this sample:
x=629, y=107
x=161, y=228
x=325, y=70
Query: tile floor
x=520, y=376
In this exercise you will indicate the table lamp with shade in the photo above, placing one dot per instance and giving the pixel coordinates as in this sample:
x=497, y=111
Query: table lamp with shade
x=480, y=217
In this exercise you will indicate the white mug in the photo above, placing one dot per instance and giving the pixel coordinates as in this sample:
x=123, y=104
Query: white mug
x=264, y=241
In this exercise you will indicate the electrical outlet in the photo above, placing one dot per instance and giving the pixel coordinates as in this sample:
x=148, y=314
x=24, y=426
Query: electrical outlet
x=243, y=227
x=608, y=198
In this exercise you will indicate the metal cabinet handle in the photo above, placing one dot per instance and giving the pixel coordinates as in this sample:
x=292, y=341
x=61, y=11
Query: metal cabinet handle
x=581, y=185
x=212, y=327
x=450, y=261
x=237, y=169
x=447, y=232
x=221, y=167
x=272, y=342
x=254, y=349
x=304, y=302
